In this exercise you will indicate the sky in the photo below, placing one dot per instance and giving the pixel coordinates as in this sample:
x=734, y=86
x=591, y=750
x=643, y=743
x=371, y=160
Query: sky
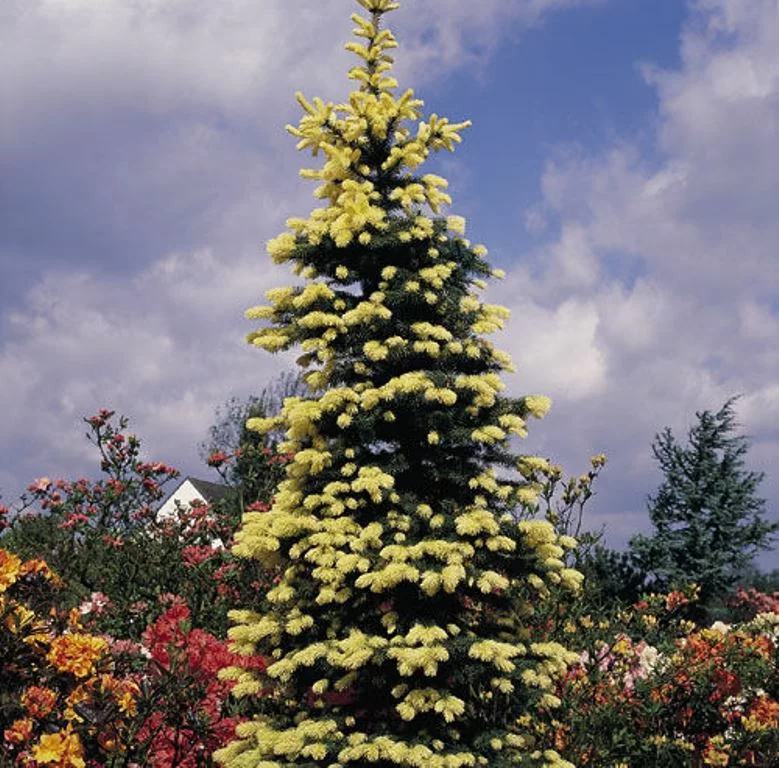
x=622, y=167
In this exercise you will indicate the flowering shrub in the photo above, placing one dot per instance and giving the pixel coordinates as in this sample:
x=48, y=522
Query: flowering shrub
x=118, y=667
x=256, y=470
x=116, y=556
x=97, y=535
x=182, y=671
x=62, y=702
x=74, y=698
x=748, y=603
x=140, y=608
x=652, y=689
x=691, y=697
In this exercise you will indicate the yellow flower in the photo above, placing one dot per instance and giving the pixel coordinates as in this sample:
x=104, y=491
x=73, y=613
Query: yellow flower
x=538, y=405
x=63, y=748
x=456, y=224
x=10, y=568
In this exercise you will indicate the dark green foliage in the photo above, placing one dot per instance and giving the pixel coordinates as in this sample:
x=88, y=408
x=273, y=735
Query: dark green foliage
x=611, y=577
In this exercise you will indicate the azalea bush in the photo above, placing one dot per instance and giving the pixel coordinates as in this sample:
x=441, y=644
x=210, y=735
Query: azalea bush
x=71, y=697
x=745, y=604
x=188, y=711
x=651, y=689
x=63, y=700
x=151, y=593
x=115, y=671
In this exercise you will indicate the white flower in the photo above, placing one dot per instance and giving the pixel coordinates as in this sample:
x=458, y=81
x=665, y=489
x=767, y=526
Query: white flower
x=647, y=660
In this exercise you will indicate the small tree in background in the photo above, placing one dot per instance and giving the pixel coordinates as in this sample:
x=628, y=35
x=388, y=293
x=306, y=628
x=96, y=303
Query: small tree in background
x=707, y=516
x=398, y=631
x=240, y=455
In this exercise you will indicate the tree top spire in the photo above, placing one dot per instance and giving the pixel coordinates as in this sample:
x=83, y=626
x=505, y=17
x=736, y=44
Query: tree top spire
x=379, y=6
x=369, y=178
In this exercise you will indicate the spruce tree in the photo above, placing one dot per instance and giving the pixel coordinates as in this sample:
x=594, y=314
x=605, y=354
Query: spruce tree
x=707, y=516
x=398, y=633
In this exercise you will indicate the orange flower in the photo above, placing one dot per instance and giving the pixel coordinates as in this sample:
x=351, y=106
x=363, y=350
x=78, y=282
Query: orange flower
x=20, y=731
x=763, y=715
x=63, y=749
x=39, y=701
x=76, y=653
x=761, y=644
x=41, y=568
x=124, y=692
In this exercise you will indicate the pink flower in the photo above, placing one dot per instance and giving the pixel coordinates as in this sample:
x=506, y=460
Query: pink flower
x=258, y=506
x=194, y=555
x=217, y=458
x=97, y=604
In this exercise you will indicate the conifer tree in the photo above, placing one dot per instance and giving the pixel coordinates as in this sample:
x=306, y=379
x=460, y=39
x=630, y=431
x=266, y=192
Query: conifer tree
x=707, y=515
x=398, y=633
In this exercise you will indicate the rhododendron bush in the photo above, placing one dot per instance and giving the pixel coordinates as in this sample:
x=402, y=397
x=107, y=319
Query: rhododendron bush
x=649, y=689
x=71, y=697
x=128, y=674
x=106, y=672
x=116, y=556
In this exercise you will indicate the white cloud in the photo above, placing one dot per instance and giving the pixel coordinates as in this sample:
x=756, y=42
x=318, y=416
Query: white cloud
x=144, y=167
x=440, y=36
x=239, y=58
x=136, y=129
x=163, y=347
x=555, y=350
